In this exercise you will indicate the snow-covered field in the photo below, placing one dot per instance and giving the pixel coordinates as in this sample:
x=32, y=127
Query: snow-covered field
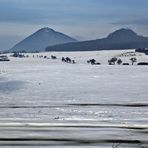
x=82, y=57
x=74, y=104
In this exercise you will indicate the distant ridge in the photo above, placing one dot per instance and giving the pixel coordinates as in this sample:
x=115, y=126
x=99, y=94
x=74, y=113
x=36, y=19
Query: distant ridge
x=39, y=40
x=120, y=39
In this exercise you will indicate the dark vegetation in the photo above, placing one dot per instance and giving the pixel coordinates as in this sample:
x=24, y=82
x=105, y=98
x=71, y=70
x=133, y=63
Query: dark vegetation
x=68, y=60
x=133, y=60
x=142, y=50
x=143, y=63
x=17, y=55
x=125, y=64
x=112, y=61
x=53, y=57
x=93, y=62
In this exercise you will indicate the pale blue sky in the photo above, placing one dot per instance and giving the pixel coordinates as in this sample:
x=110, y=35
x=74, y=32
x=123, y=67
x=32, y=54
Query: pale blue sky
x=82, y=19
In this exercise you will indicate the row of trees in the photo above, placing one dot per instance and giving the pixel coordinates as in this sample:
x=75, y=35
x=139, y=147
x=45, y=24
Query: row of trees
x=112, y=61
x=115, y=60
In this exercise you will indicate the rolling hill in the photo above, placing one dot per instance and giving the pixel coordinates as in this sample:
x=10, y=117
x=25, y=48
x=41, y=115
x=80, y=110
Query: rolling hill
x=120, y=39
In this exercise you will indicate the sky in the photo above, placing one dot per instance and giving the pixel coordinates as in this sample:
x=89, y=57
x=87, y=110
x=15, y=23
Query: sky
x=81, y=19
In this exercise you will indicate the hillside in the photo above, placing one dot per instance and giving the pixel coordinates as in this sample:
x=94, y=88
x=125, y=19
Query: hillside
x=120, y=39
x=41, y=39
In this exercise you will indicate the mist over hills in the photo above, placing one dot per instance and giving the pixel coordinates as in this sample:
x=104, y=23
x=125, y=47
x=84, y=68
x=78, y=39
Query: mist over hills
x=120, y=39
x=39, y=40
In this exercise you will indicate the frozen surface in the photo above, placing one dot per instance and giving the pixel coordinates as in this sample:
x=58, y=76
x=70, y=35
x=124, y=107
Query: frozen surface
x=47, y=99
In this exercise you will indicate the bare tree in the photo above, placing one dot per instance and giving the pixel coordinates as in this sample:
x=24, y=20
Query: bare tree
x=119, y=61
x=133, y=60
x=112, y=61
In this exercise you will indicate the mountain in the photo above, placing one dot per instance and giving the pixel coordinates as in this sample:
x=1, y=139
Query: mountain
x=41, y=39
x=120, y=39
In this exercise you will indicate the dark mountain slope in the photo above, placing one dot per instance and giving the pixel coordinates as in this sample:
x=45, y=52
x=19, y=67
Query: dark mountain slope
x=120, y=39
x=41, y=39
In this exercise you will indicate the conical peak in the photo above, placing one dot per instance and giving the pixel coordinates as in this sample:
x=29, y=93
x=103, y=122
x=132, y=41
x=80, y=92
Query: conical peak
x=123, y=33
x=47, y=29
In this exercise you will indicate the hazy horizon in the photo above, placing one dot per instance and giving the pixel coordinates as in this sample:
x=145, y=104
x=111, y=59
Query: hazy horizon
x=80, y=19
